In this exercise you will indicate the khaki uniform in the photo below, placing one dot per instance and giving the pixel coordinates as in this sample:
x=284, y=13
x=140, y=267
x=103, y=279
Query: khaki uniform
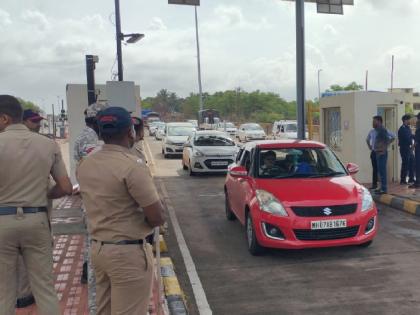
x=138, y=150
x=123, y=272
x=27, y=159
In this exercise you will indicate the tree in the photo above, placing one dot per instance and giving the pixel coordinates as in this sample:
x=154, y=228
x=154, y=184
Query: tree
x=353, y=86
x=29, y=105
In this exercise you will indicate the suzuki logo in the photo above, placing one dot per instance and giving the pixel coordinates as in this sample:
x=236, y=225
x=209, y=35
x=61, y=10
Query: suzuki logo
x=327, y=211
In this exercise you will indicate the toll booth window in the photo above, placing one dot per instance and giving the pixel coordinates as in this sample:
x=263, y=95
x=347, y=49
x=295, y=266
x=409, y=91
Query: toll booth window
x=333, y=134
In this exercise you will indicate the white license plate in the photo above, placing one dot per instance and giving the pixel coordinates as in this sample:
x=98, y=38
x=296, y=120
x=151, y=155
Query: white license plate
x=328, y=224
x=221, y=163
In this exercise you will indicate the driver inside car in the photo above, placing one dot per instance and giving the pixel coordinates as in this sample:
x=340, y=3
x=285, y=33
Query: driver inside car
x=269, y=166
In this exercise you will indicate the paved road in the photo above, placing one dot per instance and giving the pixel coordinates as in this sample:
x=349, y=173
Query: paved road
x=381, y=279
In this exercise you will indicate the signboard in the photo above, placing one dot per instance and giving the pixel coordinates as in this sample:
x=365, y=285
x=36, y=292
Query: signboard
x=330, y=6
x=187, y=2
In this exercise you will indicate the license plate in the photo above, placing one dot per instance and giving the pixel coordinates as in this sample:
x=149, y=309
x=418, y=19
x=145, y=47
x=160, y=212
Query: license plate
x=221, y=163
x=328, y=224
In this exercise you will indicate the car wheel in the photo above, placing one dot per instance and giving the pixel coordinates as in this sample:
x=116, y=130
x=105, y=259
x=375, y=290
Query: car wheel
x=229, y=214
x=254, y=248
x=192, y=173
x=366, y=244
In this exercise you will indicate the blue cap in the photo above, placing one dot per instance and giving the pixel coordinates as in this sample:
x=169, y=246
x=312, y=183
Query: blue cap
x=29, y=114
x=113, y=120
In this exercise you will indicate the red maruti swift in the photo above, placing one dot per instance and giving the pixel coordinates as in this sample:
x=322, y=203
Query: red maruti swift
x=297, y=194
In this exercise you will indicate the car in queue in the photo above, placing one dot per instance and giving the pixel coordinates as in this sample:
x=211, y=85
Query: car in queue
x=250, y=132
x=297, y=194
x=176, y=134
x=193, y=122
x=153, y=126
x=160, y=132
x=228, y=127
x=208, y=151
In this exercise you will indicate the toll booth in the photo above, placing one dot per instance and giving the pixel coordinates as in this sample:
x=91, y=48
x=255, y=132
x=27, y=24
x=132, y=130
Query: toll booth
x=114, y=93
x=346, y=119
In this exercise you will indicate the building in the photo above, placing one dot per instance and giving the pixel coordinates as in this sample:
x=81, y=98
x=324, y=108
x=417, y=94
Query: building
x=410, y=98
x=346, y=119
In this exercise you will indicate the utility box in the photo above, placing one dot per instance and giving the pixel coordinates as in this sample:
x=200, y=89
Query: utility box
x=346, y=119
x=124, y=94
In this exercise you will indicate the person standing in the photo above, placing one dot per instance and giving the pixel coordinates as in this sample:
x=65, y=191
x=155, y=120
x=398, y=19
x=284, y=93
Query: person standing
x=27, y=160
x=370, y=140
x=416, y=185
x=405, y=142
x=122, y=212
x=383, y=139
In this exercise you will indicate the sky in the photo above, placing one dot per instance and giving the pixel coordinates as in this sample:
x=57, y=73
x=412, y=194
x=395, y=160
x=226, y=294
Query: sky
x=244, y=43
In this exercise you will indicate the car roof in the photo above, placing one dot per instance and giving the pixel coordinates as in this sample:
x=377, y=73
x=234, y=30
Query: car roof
x=250, y=124
x=279, y=144
x=210, y=132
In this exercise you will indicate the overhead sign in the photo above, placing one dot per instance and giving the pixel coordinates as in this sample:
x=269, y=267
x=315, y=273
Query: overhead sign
x=332, y=6
x=187, y=2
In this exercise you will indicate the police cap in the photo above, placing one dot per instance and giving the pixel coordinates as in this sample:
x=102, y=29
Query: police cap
x=113, y=120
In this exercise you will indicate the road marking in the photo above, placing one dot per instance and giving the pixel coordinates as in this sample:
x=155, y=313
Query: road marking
x=199, y=294
x=198, y=291
x=151, y=160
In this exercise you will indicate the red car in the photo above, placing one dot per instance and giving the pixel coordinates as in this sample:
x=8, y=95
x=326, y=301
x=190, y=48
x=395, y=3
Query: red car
x=297, y=194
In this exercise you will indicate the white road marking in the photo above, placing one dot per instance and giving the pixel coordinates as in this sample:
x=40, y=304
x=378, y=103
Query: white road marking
x=199, y=294
x=198, y=290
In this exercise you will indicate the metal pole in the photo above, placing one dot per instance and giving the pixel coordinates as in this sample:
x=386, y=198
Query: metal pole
x=300, y=66
x=119, y=38
x=319, y=86
x=90, y=75
x=200, y=89
x=53, y=121
x=366, y=80
x=392, y=73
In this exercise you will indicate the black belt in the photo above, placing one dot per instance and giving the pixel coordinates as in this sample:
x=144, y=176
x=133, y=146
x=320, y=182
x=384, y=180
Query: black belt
x=13, y=210
x=123, y=242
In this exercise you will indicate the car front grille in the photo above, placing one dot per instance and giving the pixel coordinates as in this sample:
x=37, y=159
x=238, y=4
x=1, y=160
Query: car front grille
x=209, y=165
x=328, y=234
x=325, y=211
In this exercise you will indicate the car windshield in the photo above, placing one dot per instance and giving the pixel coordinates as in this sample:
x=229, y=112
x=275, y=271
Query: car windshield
x=228, y=125
x=299, y=163
x=253, y=127
x=180, y=130
x=291, y=128
x=212, y=141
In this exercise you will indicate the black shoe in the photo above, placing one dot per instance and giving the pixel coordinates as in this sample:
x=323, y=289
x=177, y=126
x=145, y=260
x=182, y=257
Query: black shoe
x=84, y=278
x=380, y=192
x=25, y=301
x=403, y=183
x=373, y=188
x=414, y=186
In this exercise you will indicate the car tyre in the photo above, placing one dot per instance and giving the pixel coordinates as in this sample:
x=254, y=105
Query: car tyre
x=253, y=246
x=191, y=172
x=228, y=210
x=366, y=244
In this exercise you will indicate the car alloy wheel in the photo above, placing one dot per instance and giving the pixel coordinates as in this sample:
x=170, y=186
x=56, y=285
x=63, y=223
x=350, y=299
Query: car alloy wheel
x=254, y=248
x=229, y=214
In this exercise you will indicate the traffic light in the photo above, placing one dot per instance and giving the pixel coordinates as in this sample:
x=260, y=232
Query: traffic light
x=63, y=116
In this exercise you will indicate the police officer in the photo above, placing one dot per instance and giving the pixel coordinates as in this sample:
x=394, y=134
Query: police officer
x=87, y=143
x=32, y=120
x=122, y=212
x=416, y=185
x=405, y=142
x=27, y=160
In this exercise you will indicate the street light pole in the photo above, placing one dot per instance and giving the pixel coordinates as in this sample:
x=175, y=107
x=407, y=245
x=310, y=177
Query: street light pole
x=300, y=66
x=319, y=86
x=119, y=39
x=200, y=89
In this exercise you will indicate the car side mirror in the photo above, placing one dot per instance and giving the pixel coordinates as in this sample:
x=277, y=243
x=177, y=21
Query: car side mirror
x=352, y=168
x=238, y=171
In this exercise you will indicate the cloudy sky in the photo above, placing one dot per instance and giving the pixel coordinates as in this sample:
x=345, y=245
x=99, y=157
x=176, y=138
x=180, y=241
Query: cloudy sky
x=244, y=43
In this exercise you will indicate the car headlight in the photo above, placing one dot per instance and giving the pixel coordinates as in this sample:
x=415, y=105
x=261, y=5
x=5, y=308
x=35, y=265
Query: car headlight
x=198, y=153
x=269, y=203
x=367, y=200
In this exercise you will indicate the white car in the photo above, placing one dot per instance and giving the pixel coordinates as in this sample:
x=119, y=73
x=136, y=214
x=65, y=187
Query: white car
x=250, y=132
x=153, y=126
x=193, y=122
x=286, y=129
x=176, y=134
x=208, y=151
x=228, y=127
x=160, y=132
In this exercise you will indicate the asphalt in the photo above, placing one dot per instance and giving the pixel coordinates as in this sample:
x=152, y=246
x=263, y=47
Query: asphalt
x=381, y=279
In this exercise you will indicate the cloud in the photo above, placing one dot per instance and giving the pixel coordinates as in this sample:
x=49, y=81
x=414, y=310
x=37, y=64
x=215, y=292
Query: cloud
x=5, y=18
x=156, y=24
x=36, y=19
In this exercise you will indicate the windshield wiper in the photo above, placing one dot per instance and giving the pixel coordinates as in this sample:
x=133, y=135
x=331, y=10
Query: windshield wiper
x=330, y=174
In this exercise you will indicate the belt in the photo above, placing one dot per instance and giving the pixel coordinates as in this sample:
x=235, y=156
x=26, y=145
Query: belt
x=123, y=242
x=13, y=210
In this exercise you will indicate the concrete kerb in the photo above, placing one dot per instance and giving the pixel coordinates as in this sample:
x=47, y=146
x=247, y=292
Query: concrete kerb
x=399, y=203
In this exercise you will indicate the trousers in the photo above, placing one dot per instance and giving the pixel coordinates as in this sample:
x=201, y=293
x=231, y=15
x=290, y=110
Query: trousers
x=124, y=275
x=382, y=160
x=30, y=235
x=374, y=169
